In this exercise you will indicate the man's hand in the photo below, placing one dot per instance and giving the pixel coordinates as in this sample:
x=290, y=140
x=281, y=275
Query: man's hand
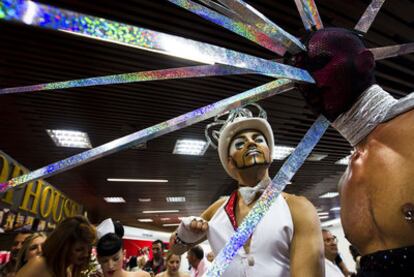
x=191, y=231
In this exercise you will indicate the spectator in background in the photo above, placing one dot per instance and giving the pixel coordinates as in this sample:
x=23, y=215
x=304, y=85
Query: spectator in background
x=66, y=252
x=156, y=264
x=32, y=247
x=111, y=254
x=173, y=262
x=133, y=264
x=331, y=253
x=9, y=268
x=199, y=265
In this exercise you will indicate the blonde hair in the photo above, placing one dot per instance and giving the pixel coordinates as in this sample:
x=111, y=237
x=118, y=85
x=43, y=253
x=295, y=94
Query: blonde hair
x=170, y=254
x=21, y=256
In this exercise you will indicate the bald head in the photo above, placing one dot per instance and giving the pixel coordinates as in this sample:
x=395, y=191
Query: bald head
x=342, y=68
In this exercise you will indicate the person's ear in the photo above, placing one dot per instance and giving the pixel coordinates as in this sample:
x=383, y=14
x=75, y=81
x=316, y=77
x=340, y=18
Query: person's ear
x=365, y=61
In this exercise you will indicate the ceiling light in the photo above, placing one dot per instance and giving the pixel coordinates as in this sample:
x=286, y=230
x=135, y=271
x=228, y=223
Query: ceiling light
x=66, y=138
x=170, y=224
x=175, y=199
x=137, y=180
x=165, y=218
x=114, y=199
x=190, y=147
x=336, y=209
x=314, y=157
x=145, y=220
x=280, y=152
x=330, y=194
x=323, y=213
x=144, y=200
x=343, y=161
x=324, y=217
x=161, y=211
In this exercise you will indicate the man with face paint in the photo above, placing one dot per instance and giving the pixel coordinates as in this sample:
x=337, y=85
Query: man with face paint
x=286, y=242
x=377, y=191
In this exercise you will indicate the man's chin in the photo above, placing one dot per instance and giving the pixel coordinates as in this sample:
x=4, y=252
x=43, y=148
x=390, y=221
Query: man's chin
x=255, y=166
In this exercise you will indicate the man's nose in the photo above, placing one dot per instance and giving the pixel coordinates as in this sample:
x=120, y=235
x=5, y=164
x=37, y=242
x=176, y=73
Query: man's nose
x=110, y=264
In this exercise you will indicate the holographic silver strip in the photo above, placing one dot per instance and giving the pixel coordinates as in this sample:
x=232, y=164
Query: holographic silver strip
x=279, y=182
x=98, y=28
x=237, y=27
x=152, y=75
x=253, y=95
x=253, y=17
x=222, y=9
x=369, y=15
x=385, y=52
x=309, y=14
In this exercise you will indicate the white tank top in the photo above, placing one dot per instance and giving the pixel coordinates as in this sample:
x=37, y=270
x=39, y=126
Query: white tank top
x=270, y=242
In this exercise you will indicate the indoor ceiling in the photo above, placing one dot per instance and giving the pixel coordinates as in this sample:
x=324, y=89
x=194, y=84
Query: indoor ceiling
x=31, y=55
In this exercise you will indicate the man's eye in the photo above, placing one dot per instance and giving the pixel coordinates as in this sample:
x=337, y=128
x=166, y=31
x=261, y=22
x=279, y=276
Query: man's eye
x=239, y=145
x=259, y=140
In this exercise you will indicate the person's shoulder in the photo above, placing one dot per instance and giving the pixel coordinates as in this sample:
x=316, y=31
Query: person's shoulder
x=296, y=201
x=159, y=274
x=36, y=265
x=38, y=261
x=210, y=211
x=300, y=207
x=183, y=274
x=139, y=274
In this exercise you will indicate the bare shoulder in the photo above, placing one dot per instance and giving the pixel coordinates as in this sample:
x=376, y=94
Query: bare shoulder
x=210, y=211
x=396, y=131
x=301, y=208
x=183, y=274
x=35, y=267
x=139, y=274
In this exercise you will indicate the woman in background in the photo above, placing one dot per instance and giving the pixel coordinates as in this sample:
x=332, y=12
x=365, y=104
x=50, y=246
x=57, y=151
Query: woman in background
x=173, y=267
x=32, y=247
x=111, y=256
x=66, y=252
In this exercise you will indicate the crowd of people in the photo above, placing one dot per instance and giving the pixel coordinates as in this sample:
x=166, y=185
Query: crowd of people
x=69, y=251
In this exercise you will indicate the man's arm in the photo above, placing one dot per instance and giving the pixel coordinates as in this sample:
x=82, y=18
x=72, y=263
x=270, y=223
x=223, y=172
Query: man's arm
x=306, y=253
x=197, y=227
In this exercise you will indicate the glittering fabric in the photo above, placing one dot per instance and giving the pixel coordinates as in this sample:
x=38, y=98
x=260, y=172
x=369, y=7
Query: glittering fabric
x=99, y=28
x=397, y=262
x=230, y=209
x=369, y=111
x=262, y=205
x=152, y=75
x=160, y=129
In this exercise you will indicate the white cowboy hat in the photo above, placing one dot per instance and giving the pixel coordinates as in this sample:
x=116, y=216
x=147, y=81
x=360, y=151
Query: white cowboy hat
x=238, y=125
